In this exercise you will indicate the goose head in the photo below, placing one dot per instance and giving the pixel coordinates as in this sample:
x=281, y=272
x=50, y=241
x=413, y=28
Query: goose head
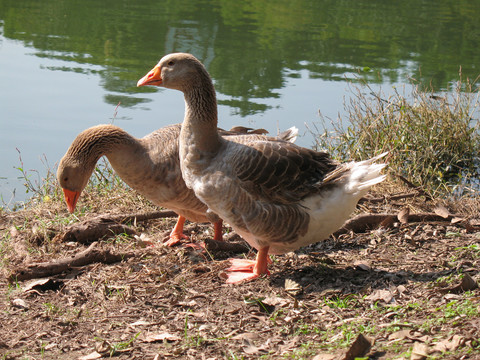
x=73, y=177
x=77, y=165
x=179, y=71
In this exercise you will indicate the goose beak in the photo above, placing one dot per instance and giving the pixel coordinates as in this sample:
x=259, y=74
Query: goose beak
x=154, y=77
x=71, y=198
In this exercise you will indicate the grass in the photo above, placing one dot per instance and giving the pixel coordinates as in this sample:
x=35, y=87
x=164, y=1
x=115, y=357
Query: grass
x=433, y=139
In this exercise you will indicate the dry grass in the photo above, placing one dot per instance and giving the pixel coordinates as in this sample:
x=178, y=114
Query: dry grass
x=433, y=139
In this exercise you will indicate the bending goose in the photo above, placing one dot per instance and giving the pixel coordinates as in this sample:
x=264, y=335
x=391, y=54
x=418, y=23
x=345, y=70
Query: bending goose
x=276, y=195
x=150, y=165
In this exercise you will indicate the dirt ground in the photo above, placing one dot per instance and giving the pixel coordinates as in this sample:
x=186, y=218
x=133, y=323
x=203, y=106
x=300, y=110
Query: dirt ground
x=404, y=290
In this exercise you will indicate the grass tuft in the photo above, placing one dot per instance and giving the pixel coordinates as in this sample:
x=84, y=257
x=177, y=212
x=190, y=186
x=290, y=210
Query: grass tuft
x=433, y=139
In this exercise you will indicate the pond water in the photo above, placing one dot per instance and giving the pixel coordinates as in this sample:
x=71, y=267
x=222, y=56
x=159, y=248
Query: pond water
x=65, y=65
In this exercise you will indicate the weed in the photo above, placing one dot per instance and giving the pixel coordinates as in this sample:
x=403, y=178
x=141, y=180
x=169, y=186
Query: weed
x=432, y=140
x=52, y=310
x=340, y=303
x=123, y=345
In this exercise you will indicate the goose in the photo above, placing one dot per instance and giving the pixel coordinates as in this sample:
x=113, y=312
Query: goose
x=278, y=196
x=150, y=165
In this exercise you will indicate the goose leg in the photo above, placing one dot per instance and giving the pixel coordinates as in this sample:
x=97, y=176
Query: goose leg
x=177, y=233
x=218, y=236
x=217, y=225
x=244, y=270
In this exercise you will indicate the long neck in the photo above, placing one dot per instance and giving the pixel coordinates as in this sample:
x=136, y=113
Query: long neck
x=199, y=130
x=127, y=155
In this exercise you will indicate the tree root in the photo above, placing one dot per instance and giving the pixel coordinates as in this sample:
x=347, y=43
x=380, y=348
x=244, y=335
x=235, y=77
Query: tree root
x=93, y=229
x=90, y=255
x=364, y=222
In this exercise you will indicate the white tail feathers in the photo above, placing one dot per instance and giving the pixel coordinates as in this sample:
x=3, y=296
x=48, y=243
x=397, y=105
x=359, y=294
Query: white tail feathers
x=365, y=174
x=290, y=134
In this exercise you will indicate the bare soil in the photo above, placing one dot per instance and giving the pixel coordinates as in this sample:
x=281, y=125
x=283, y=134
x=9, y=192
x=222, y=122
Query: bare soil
x=408, y=289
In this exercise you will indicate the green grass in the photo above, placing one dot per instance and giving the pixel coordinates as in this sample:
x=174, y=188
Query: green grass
x=433, y=140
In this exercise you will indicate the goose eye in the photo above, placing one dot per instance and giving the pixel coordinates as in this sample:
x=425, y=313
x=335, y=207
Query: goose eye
x=65, y=179
x=170, y=63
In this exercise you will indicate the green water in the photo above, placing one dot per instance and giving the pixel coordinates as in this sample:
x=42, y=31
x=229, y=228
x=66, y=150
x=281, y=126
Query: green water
x=66, y=64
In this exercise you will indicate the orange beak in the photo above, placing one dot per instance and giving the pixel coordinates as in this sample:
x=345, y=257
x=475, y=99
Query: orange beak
x=71, y=198
x=154, y=77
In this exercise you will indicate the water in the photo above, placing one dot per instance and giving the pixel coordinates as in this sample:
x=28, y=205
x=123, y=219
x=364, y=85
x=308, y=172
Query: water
x=65, y=65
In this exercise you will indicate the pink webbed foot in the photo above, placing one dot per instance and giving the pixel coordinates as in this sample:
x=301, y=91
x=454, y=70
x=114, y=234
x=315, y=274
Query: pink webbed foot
x=177, y=235
x=245, y=270
x=175, y=239
x=236, y=277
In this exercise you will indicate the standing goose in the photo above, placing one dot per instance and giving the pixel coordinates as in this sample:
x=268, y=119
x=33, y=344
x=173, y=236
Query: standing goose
x=150, y=165
x=276, y=195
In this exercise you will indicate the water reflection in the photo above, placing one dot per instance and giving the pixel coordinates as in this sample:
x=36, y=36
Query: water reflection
x=248, y=46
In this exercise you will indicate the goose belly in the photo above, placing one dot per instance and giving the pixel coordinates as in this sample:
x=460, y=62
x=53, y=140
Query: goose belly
x=328, y=212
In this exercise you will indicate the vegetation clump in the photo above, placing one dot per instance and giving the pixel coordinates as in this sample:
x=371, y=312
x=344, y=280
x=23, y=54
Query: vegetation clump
x=433, y=139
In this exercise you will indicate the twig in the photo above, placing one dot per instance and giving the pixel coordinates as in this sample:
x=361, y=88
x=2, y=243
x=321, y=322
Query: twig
x=93, y=229
x=90, y=255
x=364, y=222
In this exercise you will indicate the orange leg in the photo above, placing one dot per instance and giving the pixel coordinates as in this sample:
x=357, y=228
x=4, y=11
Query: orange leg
x=218, y=230
x=216, y=236
x=177, y=233
x=244, y=270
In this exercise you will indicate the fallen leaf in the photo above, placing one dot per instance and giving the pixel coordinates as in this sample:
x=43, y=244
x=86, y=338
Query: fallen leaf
x=457, y=219
x=162, y=337
x=467, y=283
x=247, y=335
x=91, y=356
x=420, y=351
x=403, y=215
x=275, y=301
x=251, y=349
x=451, y=344
x=19, y=303
x=140, y=323
x=325, y=357
x=399, y=335
x=292, y=287
x=362, y=266
x=381, y=295
x=43, y=284
x=442, y=211
x=359, y=348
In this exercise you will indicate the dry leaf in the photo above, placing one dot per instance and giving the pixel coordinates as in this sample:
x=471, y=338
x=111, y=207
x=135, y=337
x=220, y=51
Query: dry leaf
x=292, y=287
x=359, y=348
x=140, y=323
x=19, y=303
x=420, y=351
x=275, y=301
x=92, y=356
x=43, y=284
x=362, y=266
x=325, y=357
x=251, y=349
x=247, y=335
x=442, y=211
x=381, y=295
x=451, y=344
x=403, y=215
x=468, y=283
x=162, y=337
x=400, y=335
x=456, y=219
